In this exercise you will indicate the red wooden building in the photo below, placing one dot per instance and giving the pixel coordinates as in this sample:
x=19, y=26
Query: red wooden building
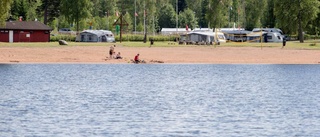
x=25, y=31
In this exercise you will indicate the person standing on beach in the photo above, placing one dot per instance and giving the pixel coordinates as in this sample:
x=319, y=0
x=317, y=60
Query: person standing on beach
x=283, y=42
x=111, y=52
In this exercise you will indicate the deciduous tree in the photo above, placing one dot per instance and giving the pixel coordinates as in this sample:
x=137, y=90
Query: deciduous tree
x=4, y=8
x=187, y=17
x=293, y=15
x=167, y=17
x=75, y=11
x=253, y=13
x=218, y=13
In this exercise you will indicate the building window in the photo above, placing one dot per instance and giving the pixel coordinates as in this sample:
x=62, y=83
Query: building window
x=46, y=32
x=21, y=31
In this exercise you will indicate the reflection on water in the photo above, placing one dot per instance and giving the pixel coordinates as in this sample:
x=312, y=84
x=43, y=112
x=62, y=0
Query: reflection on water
x=159, y=100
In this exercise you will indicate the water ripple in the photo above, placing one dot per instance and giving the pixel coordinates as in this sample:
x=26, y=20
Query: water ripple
x=159, y=100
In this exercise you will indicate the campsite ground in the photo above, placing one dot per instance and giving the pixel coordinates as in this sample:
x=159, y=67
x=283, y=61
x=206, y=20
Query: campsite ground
x=226, y=53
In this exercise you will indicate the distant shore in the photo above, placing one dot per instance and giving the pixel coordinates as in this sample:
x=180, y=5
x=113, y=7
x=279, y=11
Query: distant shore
x=170, y=55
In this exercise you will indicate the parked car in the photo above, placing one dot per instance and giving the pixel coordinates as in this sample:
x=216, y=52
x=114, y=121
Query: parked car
x=66, y=31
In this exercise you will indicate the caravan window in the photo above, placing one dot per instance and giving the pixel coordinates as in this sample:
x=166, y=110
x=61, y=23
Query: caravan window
x=220, y=36
x=269, y=37
x=278, y=37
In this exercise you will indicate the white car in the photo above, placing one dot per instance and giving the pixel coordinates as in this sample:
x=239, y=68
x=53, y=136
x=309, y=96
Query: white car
x=66, y=31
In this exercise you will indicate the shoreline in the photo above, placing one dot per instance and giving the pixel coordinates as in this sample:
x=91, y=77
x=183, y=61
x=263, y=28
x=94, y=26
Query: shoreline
x=167, y=55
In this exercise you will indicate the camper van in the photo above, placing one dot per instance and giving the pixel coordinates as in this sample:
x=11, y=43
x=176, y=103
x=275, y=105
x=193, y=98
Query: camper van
x=95, y=36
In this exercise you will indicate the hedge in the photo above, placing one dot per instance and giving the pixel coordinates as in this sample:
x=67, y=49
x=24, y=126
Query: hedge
x=125, y=37
x=62, y=37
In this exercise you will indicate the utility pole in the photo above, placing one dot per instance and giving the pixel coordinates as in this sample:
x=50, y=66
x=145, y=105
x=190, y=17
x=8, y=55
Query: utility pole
x=144, y=17
x=230, y=15
x=144, y=23
x=107, y=20
x=135, y=17
x=177, y=16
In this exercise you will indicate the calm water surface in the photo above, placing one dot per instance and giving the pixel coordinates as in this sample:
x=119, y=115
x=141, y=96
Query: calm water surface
x=159, y=100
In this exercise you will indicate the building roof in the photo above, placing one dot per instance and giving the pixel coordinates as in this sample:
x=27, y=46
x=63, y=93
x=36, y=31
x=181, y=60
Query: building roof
x=239, y=32
x=202, y=29
x=26, y=25
x=175, y=29
x=206, y=33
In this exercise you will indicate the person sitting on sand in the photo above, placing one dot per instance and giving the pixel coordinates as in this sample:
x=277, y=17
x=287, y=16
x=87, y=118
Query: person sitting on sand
x=136, y=59
x=114, y=54
x=118, y=56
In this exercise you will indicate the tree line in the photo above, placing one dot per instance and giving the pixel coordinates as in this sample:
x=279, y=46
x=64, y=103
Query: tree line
x=292, y=16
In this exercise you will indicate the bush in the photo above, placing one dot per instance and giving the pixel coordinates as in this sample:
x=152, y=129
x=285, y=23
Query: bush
x=125, y=37
x=306, y=37
x=130, y=37
x=62, y=37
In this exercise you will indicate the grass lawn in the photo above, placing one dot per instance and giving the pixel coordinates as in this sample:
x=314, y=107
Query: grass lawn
x=309, y=45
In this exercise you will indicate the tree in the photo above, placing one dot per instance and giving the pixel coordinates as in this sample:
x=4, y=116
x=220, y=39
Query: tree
x=32, y=5
x=254, y=11
x=4, y=8
x=128, y=20
x=107, y=7
x=313, y=26
x=269, y=20
x=19, y=9
x=50, y=10
x=236, y=14
x=197, y=8
x=167, y=17
x=218, y=13
x=203, y=21
x=295, y=15
x=76, y=11
x=187, y=17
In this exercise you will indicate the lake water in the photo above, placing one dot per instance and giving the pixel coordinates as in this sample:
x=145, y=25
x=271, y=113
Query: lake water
x=159, y=100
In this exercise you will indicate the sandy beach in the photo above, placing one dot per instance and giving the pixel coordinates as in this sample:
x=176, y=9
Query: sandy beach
x=183, y=55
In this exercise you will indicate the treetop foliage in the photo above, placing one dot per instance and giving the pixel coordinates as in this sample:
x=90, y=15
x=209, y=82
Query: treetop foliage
x=292, y=16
